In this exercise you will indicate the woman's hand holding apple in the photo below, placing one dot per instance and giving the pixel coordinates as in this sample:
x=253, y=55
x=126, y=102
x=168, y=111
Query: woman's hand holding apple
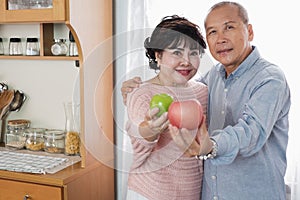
x=153, y=125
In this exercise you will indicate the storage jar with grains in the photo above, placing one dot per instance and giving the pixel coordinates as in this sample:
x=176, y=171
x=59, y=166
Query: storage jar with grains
x=34, y=139
x=54, y=141
x=15, y=136
x=72, y=140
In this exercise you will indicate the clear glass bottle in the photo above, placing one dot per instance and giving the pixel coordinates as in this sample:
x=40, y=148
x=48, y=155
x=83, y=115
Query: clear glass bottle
x=32, y=47
x=54, y=141
x=15, y=47
x=1, y=47
x=73, y=51
x=72, y=138
x=34, y=139
x=15, y=136
x=59, y=47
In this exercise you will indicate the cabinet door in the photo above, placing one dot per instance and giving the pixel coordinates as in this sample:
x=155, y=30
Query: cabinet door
x=57, y=13
x=21, y=190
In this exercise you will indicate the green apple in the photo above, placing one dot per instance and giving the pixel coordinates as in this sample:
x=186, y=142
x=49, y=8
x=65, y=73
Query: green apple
x=162, y=101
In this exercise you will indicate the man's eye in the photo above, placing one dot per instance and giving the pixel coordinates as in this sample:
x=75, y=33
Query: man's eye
x=229, y=27
x=211, y=32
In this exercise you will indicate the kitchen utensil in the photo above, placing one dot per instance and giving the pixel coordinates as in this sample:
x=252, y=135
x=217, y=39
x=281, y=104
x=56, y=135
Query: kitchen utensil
x=3, y=87
x=17, y=102
x=6, y=98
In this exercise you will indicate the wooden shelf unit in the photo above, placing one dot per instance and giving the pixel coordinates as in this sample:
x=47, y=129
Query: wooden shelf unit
x=91, y=178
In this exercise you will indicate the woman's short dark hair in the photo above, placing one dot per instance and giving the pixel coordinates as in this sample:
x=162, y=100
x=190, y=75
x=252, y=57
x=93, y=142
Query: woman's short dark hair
x=169, y=33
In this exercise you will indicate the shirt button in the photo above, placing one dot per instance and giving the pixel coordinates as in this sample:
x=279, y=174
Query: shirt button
x=215, y=198
x=225, y=90
x=214, y=177
x=222, y=112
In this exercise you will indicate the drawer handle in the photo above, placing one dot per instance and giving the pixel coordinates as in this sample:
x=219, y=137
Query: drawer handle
x=26, y=197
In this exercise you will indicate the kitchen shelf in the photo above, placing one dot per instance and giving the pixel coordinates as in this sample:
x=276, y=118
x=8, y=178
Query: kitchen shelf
x=46, y=32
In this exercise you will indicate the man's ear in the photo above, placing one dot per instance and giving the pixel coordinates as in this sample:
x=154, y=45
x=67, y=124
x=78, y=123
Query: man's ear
x=250, y=32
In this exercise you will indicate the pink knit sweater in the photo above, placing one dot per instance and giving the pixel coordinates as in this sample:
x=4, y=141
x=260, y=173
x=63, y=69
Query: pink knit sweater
x=160, y=171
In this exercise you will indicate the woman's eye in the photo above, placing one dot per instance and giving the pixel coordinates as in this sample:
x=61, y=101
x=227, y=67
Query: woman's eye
x=177, y=53
x=195, y=53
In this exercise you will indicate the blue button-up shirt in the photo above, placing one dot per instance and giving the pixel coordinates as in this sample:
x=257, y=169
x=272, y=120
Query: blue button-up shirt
x=248, y=119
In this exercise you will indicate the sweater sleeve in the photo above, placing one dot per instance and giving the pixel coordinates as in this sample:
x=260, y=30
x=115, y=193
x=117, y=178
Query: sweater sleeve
x=137, y=108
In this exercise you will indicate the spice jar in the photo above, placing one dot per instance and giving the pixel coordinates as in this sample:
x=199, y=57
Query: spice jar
x=34, y=139
x=32, y=47
x=73, y=51
x=15, y=136
x=59, y=48
x=15, y=47
x=1, y=47
x=54, y=141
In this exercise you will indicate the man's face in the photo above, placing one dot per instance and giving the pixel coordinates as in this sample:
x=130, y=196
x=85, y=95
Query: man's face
x=228, y=37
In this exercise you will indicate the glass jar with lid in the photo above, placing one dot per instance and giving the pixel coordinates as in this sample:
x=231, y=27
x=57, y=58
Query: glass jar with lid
x=15, y=46
x=54, y=141
x=32, y=47
x=1, y=46
x=59, y=47
x=15, y=136
x=35, y=139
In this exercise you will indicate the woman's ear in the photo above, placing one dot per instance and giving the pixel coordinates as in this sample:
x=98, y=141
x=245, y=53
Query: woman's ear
x=157, y=56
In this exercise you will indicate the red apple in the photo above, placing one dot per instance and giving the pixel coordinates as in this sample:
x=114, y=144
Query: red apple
x=186, y=114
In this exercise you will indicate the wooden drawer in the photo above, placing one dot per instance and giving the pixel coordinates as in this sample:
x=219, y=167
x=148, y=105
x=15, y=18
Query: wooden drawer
x=15, y=190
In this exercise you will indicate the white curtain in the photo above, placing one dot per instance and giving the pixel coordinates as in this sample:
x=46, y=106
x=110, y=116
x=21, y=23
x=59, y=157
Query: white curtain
x=135, y=20
x=130, y=61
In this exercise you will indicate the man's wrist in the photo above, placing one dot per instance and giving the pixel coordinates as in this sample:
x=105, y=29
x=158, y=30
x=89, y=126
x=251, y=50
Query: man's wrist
x=211, y=154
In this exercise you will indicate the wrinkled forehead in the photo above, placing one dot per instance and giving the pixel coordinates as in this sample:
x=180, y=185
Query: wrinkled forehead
x=222, y=15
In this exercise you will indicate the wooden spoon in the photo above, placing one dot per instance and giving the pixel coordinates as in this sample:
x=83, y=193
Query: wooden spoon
x=6, y=98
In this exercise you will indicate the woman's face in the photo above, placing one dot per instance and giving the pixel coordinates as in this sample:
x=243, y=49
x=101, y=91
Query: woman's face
x=178, y=65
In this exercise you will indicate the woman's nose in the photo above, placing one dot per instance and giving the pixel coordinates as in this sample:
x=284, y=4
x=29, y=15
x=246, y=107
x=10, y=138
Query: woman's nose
x=185, y=59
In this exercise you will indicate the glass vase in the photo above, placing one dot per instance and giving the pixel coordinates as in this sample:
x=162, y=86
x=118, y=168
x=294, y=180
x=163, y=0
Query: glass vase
x=72, y=128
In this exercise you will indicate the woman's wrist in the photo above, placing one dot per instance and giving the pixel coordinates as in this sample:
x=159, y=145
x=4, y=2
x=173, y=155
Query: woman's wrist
x=147, y=133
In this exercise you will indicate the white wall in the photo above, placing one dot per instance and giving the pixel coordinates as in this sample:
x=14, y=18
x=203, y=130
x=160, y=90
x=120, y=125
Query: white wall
x=47, y=84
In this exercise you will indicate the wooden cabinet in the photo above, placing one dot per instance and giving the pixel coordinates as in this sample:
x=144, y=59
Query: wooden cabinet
x=73, y=183
x=21, y=190
x=58, y=13
x=90, y=22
